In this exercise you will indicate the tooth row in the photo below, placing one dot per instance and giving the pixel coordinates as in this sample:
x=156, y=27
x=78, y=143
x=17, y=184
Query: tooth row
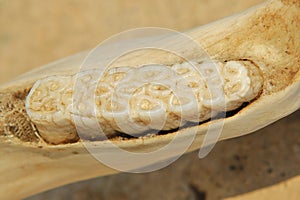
x=137, y=99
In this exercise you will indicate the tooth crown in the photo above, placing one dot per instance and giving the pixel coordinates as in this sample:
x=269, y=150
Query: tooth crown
x=134, y=100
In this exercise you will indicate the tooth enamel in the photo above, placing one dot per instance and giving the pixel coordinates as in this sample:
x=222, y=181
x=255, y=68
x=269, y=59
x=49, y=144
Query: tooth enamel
x=47, y=100
x=133, y=100
x=242, y=83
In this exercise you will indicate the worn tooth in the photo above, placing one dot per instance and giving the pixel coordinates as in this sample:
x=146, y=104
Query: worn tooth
x=242, y=83
x=103, y=90
x=134, y=100
x=186, y=69
x=47, y=109
x=159, y=90
x=149, y=111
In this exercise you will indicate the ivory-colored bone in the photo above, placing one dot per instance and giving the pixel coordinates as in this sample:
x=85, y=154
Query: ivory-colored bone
x=267, y=36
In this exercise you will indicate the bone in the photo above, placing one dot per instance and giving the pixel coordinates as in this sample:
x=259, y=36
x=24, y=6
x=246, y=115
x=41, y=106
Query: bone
x=138, y=99
x=268, y=35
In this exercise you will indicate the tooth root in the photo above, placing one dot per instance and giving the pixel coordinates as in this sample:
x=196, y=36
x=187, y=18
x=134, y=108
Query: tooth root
x=133, y=100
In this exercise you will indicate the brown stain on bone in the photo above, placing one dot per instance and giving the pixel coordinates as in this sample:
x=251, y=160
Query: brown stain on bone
x=269, y=38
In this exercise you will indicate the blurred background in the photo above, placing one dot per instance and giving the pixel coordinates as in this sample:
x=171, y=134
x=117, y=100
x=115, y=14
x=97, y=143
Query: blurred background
x=263, y=165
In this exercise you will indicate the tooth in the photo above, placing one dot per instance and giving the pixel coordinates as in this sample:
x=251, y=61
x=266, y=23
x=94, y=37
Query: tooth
x=149, y=111
x=46, y=102
x=242, y=83
x=139, y=99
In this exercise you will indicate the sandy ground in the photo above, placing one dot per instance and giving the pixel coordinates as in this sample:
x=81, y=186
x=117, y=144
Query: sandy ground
x=263, y=165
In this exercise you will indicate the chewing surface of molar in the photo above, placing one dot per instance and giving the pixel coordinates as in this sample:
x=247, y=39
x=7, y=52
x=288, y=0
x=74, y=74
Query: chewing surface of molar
x=138, y=99
x=51, y=101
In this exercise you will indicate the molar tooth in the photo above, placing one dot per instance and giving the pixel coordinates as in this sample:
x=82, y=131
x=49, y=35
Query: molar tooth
x=127, y=89
x=150, y=111
x=90, y=128
x=112, y=108
x=238, y=83
x=158, y=90
x=242, y=83
x=103, y=90
x=183, y=69
x=183, y=92
x=185, y=107
x=47, y=110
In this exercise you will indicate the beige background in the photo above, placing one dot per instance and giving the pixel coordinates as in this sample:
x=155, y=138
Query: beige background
x=263, y=165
